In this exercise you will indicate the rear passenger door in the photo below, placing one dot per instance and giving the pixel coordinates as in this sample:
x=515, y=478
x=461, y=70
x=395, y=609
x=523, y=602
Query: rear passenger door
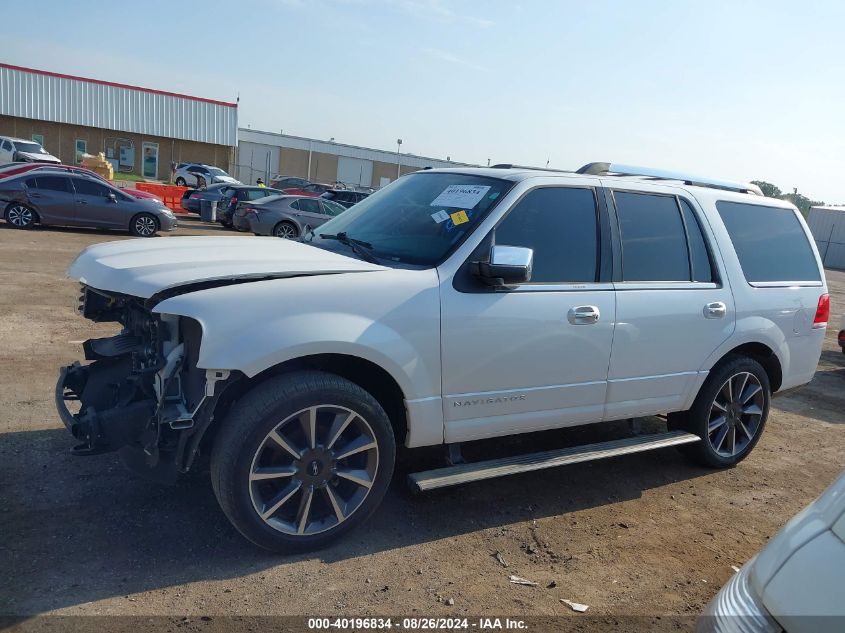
x=309, y=212
x=52, y=198
x=674, y=306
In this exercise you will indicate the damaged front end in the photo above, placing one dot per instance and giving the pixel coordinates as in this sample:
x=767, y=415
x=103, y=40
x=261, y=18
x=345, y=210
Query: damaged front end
x=142, y=394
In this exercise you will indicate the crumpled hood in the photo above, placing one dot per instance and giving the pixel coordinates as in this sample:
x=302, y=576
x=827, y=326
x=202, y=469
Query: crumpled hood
x=39, y=158
x=144, y=267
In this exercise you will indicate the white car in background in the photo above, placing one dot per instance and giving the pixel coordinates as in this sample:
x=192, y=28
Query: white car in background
x=18, y=150
x=796, y=583
x=198, y=175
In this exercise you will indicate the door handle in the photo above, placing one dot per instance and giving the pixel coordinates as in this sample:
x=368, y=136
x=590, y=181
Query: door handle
x=583, y=315
x=715, y=310
x=81, y=202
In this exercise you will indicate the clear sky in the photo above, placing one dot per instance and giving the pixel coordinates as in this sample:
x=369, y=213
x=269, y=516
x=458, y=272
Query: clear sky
x=734, y=89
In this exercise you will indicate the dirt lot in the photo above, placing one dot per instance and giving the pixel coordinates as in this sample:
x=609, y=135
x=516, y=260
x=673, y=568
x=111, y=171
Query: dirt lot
x=646, y=534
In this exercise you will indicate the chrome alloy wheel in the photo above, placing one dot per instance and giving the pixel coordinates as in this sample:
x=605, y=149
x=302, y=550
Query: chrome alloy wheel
x=736, y=414
x=286, y=231
x=19, y=216
x=145, y=225
x=313, y=470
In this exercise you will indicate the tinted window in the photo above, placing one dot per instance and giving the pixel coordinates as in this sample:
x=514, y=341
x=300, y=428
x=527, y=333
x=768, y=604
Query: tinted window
x=53, y=183
x=7, y=145
x=309, y=205
x=560, y=225
x=654, y=247
x=770, y=242
x=87, y=187
x=699, y=256
x=332, y=208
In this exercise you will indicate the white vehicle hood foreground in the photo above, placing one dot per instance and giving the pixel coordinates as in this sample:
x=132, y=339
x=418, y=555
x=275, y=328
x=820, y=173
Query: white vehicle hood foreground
x=144, y=267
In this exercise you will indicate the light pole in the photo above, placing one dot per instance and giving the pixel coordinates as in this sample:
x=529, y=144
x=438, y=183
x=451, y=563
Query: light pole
x=398, y=160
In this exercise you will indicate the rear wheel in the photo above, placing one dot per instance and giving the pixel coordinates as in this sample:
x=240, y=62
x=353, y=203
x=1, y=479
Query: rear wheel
x=302, y=459
x=21, y=216
x=143, y=225
x=286, y=230
x=729, y=413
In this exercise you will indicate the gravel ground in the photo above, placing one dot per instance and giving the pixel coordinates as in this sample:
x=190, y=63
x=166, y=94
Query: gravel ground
x=646, y=534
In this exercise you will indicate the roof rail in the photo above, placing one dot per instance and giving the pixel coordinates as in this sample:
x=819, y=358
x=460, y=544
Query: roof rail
x=511, y=166
x=617, y=169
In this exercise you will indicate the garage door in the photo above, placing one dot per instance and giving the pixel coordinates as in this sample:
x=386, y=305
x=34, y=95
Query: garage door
x=256, y=161
x=355, y=171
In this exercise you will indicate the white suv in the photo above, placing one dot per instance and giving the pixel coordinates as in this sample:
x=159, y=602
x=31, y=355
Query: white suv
x=451, y=306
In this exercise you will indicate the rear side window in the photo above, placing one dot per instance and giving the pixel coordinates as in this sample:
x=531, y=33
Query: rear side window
x=53, y=183
x=309, y=205
x=770, y=243
x=560, y=224
x=654, y=246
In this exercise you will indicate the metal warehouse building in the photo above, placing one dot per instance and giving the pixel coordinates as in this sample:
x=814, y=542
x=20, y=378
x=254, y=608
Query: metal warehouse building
x=140, y=130
x=828, y=227
x=266, y=154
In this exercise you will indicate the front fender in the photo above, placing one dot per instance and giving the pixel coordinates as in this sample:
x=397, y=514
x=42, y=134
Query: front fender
x=391, y=318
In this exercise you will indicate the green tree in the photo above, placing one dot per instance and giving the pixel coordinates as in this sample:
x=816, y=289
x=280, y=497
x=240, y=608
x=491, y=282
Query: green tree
x=769, y=190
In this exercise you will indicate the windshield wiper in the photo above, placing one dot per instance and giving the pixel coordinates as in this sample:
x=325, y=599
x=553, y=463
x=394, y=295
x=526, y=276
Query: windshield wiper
x=359, y=247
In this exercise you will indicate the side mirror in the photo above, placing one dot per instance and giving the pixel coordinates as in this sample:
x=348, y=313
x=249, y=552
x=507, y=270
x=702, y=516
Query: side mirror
x=508, y=266
x=111, y=197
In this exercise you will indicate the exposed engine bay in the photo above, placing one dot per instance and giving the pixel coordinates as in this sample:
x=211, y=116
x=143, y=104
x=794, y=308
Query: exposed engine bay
x=142, y=393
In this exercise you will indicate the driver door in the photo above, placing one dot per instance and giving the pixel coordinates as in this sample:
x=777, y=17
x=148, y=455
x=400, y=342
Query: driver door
x=534, y=356
x=95, y=207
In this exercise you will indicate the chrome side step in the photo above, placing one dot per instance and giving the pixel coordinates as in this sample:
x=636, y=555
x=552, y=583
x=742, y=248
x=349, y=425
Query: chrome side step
x=464, y=473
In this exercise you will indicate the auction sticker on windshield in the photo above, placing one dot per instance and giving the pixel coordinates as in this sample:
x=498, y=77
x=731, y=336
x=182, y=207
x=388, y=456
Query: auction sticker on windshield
x=461, y=196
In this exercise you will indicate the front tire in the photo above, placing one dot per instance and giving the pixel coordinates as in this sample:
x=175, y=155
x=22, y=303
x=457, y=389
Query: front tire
x=143, y=225
x=21, y=216
x=302, y=459
x=729, y=413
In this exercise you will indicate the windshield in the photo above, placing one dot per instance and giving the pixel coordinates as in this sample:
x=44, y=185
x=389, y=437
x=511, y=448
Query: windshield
x=217, y=171
x=29, y=148
x=419, y=218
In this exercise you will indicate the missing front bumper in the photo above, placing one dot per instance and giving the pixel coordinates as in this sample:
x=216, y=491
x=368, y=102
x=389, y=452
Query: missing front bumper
x=113, y=409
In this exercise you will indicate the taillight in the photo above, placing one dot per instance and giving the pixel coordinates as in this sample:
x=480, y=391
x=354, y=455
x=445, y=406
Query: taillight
x=822, y=311
x=248, y=210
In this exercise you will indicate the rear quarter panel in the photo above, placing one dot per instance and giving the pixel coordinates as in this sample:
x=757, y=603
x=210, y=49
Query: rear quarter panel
x=777, y=315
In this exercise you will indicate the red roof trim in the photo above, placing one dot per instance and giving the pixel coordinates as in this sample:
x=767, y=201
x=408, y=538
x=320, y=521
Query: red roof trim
x=116, y=85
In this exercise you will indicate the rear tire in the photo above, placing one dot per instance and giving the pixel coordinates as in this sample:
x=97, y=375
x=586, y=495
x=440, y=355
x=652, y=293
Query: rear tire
x=144, y=225
x=21, y=216
x=302, y=459
x=729, y=413
x=286, y=230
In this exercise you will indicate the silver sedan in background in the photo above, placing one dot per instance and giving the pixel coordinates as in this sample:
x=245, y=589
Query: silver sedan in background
x=284, y=216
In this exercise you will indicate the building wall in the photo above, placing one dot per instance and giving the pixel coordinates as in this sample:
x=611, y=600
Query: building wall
x=254, y=146
x=48, y=96
x=60, y=140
